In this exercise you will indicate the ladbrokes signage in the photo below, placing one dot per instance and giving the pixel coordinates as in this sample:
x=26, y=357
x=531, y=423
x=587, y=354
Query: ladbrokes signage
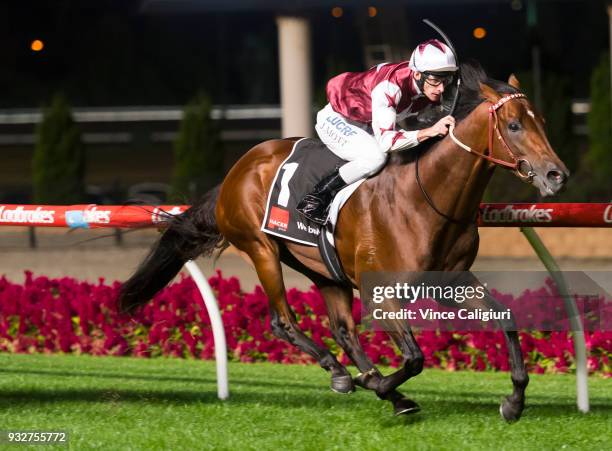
x=595, y=214
x=20, y=215
x=511, y=213
x=94, y=216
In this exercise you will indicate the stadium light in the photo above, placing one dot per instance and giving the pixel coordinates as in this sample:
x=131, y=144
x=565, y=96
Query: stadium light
x=37, y=45
x=337, y=12
x=479, y=33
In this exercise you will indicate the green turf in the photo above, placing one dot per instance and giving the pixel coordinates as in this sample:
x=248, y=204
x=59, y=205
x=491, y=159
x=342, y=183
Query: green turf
x=126, y=403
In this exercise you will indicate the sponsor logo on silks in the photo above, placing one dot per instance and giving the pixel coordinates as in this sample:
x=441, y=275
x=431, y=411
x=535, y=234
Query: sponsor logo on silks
x=160, y=215
x=607, y=216
x=511, y=214
x=307, y=229
x=344, y=128
x=279, y=219
x=91, y=215
x=20, y=215
x=332, y=134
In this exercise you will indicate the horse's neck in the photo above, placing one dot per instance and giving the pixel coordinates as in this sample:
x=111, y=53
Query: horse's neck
x=455, y=179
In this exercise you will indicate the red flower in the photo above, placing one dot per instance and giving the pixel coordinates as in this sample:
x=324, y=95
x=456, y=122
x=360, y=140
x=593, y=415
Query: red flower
x=64, y=315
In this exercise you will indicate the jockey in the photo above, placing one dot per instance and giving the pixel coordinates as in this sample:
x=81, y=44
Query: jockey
x=359, y=122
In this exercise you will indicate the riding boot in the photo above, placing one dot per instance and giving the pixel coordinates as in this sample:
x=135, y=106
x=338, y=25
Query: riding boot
x=315, y=205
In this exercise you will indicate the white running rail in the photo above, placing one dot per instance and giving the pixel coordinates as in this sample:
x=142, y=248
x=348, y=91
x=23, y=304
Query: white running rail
x=217, y=327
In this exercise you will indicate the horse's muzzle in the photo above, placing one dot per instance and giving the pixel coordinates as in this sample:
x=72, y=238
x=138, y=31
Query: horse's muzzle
x=551, y=180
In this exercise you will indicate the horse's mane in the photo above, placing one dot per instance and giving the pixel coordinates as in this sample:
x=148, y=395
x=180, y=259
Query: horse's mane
x=472, y=74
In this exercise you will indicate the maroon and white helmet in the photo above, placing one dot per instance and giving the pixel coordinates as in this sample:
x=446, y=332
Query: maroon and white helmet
x=433, y=56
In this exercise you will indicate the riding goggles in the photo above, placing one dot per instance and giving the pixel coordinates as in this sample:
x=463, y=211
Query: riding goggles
x=438, y=79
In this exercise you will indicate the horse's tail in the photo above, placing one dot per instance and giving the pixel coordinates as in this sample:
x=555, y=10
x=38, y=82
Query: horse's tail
x=187, y=236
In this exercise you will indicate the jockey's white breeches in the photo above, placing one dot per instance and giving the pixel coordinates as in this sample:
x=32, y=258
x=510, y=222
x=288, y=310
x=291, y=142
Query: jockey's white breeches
x=350, y=142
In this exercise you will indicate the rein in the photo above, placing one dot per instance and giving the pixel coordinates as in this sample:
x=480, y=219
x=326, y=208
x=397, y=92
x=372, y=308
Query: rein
x=515, y=165
x=432, y=205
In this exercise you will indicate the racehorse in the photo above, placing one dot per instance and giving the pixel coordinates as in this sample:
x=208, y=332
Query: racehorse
x=417, y=214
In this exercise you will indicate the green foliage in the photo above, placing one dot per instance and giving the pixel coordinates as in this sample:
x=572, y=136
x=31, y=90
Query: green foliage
x=198, y=156
x=58, y=164
x=599, y=120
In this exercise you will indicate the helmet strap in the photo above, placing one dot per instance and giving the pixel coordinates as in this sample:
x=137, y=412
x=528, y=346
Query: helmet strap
x=421, y=82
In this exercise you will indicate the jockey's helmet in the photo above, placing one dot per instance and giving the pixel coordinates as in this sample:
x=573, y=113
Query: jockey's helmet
x=433, y=56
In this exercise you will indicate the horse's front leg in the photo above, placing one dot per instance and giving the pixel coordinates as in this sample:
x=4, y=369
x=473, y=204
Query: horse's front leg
x=339, y=302
x=512, y=406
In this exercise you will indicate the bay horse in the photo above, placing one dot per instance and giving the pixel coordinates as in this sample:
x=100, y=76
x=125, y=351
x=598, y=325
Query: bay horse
x=417, y=214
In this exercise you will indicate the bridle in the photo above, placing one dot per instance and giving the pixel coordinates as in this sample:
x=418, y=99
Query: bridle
x=493, y=125
x=516, y=163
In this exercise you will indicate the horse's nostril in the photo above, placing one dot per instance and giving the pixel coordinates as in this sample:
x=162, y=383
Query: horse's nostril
x=556, y=177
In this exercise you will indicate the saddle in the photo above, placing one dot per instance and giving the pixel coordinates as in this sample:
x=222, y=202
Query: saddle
x=296, y=177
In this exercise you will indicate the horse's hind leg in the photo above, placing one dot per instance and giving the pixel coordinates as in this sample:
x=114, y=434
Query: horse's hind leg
x=265, y=257
x=339, y=301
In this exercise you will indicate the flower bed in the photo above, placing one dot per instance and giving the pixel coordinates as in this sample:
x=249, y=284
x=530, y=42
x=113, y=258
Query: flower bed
x=65, y=315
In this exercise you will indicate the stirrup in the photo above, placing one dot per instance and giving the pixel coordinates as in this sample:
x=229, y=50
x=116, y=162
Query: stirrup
x=314, y=209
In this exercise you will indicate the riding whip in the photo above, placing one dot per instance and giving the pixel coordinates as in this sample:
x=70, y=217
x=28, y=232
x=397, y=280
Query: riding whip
x=450, y=45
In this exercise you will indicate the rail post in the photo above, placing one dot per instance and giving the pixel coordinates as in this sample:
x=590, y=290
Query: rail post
x=582, y=389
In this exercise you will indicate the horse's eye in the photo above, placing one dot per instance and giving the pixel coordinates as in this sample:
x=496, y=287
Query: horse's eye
x=514, y=126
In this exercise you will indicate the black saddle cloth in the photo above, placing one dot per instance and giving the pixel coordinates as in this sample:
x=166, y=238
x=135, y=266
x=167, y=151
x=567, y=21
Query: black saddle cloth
x=307, y=163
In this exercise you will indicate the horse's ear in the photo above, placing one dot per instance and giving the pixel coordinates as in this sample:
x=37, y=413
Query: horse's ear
x=513, y=81
x=489, y=93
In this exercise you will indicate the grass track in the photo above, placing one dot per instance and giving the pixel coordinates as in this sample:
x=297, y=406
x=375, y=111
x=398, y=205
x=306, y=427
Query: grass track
x=126, y=403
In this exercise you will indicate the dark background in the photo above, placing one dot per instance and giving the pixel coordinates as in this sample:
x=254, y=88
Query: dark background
x=133, y=53
x=115, y=53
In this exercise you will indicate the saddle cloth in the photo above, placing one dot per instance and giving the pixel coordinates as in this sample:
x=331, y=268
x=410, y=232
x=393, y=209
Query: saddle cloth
x=307, y=163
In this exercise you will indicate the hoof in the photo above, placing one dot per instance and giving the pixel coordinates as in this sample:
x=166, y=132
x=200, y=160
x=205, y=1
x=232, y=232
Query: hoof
x=342, y=384
x=510, y=411
x=405, y=406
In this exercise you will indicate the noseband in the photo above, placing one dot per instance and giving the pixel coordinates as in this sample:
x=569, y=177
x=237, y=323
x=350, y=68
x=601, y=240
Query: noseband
x=517, y=163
